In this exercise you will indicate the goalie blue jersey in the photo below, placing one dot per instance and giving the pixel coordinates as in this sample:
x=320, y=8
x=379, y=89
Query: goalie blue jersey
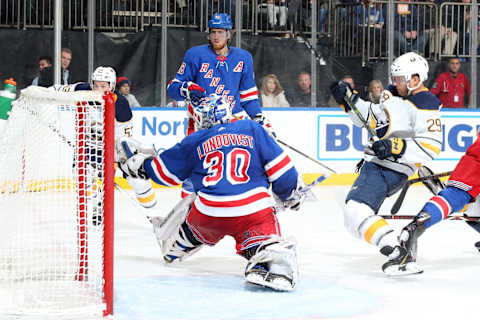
x=231, y=76
x=231, y=167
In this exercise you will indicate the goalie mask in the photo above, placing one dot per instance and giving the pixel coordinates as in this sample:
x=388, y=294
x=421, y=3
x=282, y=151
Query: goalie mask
x=408, y=65
x=211, y=111
x=106, y=74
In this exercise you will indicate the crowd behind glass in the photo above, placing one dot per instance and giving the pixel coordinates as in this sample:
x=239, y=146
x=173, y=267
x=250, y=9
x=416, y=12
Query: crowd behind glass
x=437, y=29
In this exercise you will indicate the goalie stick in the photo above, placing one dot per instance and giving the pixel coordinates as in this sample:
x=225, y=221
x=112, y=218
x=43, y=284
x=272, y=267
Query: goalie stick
x=398, y=203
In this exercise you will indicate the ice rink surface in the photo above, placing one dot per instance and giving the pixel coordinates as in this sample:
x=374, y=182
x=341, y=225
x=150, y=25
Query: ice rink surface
x=340, y=276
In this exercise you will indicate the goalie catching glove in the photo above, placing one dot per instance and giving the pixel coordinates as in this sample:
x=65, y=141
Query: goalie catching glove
x=296, y=198
x=132, y=155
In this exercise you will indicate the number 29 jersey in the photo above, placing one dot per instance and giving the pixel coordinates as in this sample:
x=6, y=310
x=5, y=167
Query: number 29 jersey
x=231, y=167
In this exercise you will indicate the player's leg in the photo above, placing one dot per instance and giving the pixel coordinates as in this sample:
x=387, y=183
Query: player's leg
x=272, y=260
x=143, y=191
x=370, y=189
x=184, y=241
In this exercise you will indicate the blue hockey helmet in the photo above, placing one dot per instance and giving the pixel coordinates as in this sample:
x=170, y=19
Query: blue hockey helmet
x=220, y=21
x=212, y=110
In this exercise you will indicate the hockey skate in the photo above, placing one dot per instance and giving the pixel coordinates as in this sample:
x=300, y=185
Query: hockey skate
x=273, y=266
x=402, y=258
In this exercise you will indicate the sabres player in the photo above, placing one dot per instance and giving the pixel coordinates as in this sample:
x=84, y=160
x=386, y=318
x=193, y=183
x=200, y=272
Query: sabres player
x=408, y=132
x=103, y=80
x=232, y=165
x=220, y=69
x=462, y=188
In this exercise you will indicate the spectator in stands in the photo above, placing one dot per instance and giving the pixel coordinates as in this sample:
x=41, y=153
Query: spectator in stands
x=448, y=38
x=273, y=9
x=45, y=79
x=66, y=58
x=409, y=34
x=457, y=19
x=123, y=87
x=452, y=87
x=302, y=96
x=370, y=17
x=43, y=62
x=347, y=78
x=375, y=88
x=272, y=93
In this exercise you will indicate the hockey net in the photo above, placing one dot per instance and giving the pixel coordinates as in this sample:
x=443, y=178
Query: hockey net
x=56, y=203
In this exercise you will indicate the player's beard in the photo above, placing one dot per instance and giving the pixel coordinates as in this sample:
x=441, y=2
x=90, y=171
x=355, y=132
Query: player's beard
x=219, y=45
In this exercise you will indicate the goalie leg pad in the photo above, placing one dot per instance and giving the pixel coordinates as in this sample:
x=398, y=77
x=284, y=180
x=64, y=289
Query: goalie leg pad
x=361, y=222
x=274, y=265
x=181, y=244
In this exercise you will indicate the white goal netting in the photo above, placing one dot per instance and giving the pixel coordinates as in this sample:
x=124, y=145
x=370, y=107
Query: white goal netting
x=51, y=206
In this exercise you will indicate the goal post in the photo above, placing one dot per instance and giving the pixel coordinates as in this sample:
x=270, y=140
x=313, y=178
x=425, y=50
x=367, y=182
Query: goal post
x=56, y=206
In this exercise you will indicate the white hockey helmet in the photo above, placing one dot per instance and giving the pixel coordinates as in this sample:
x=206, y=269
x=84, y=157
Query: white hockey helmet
x=212, y=110
x=408, y=65
x=106, y=74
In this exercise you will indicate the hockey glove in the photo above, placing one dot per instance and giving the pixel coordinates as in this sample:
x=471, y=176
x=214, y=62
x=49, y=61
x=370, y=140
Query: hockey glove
x=342, y=89
x=295, y=200
x=192, y=92
x=394, y=147
x=133, y=167
x=265, y=123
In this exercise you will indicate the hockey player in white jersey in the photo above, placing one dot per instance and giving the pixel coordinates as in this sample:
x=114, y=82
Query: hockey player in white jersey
x=103, y=80
x=408, y=132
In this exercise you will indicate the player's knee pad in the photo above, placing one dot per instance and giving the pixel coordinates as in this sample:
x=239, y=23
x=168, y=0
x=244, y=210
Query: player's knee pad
x=361, y=222
x=144, y=191
x=180, y=244
x=456, y=198
x=277, y=256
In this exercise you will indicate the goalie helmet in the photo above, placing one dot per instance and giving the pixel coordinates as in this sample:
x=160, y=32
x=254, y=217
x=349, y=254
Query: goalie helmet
x=212, y=110
x=408, y=65
x=106, y=74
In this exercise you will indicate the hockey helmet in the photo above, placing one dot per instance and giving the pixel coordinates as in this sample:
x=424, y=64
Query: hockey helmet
x=212, y=110
x=408, y=65
x=220, y=21
x=106, y=74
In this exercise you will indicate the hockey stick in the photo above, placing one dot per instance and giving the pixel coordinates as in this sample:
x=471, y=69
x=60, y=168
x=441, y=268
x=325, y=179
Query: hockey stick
x=348, y=100
x=398, y=203
x=306, y=155
x=408, y=217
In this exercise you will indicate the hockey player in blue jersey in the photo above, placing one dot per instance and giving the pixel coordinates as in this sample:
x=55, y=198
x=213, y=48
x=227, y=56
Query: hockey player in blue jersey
x=220, y=69
x=232, y=166
x=103, y=80
x=408, y=131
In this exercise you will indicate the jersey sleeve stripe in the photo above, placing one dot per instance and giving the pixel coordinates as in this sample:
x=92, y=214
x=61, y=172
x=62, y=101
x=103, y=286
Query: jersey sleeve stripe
x=162, y=173
x=252, y=90
x=430, y=147
x=276, y=171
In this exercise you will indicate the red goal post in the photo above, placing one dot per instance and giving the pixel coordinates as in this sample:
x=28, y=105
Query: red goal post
x=56, y=200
